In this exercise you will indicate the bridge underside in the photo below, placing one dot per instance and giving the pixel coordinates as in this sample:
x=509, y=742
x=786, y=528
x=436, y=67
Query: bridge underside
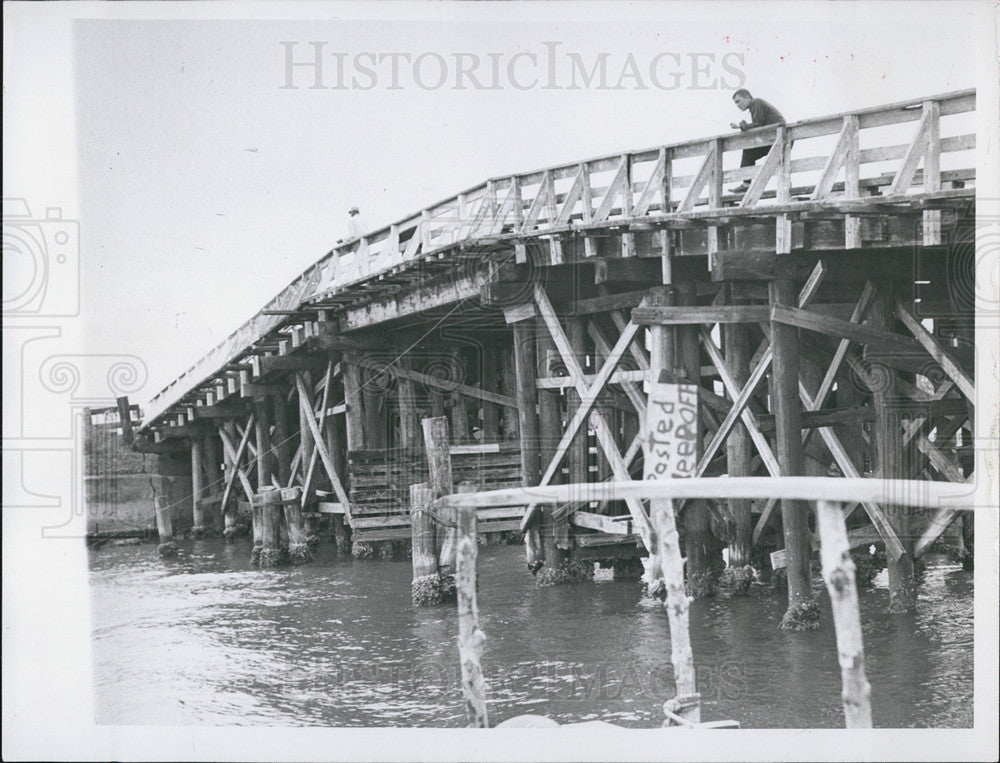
x=828, y=331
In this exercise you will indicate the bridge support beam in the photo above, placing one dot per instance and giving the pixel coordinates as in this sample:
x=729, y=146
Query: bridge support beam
x=739, y=454
x=788, y=423
x=197, y=485
x=888, y=438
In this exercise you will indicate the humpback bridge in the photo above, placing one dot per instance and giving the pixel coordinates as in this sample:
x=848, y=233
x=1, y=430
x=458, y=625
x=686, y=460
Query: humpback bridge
x=533, y=311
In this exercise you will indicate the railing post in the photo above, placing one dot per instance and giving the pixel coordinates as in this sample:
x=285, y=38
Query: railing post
x=783, y=222
x=838, y=573
x=932, y=172
x=852, y=181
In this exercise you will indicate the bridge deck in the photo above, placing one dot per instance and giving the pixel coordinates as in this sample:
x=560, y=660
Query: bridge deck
x=669, y=199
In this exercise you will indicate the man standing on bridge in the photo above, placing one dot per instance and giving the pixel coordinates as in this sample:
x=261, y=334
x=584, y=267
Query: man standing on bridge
x=761, y=113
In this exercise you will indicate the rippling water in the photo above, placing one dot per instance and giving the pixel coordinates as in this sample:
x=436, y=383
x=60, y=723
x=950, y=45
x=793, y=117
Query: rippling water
x=206, y=639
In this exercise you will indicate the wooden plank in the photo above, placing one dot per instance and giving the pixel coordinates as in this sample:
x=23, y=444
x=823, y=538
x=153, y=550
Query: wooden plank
x=937, y=352
x=432, y=381
x=918, y=146
x=700, y=180
x=917, y=493
x=826, y=324
x=686, y=315
x=603, y=523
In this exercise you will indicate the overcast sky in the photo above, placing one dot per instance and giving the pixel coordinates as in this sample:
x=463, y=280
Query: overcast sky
x=203, y=183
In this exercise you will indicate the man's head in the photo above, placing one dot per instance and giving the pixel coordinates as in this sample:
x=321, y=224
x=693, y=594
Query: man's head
x=352, y=211
x=742, y=99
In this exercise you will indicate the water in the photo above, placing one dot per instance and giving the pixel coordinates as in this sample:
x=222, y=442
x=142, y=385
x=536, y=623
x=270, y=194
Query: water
x=206, y=639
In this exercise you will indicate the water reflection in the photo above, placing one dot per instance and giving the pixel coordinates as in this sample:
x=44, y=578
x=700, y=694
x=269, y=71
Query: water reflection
x=206, y=639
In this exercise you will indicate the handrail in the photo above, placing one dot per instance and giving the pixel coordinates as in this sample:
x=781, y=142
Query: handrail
x=637, y=184
x=917, y=493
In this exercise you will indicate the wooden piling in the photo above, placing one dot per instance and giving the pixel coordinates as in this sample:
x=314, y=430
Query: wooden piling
x=838, y=573
x=372, y=397
x=262, y=431
x=164, y=528
x=788, y=424
x=353, y=404
x=527, y=425
x=213, y=481
x=509, y=384
x=298, y=548
x=549, y=434
x=470, y=637
x=437, y=447
x=409, y=414
x=426, y=587
x=125, y=419
x=282, y=443
x=229, y=513
x=889, y=440
x=490, y=382
x=739, y=451
x=697, y=532
x=197, y=486
x=272, y=554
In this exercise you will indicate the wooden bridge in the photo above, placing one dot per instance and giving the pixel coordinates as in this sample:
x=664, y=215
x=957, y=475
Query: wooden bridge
x=534, y=311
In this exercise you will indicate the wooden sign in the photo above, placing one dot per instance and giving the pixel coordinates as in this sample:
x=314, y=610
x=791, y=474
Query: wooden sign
x=778, y=559
x=672, y=440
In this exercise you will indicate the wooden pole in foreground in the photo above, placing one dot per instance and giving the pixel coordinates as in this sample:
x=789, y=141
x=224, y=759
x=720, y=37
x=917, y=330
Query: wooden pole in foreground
x=426, y=586
x=470, y=637
x=272, y=554
x=672, y=452
x=838, y=572
x=164, y=528
x=439, y=467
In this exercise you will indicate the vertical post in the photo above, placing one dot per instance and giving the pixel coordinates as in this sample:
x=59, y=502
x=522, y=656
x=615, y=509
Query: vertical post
x=577, y=455
x=661, y=358
x=783, y=222
x=788, y=424
x=672, y=406
x=307, y=443
x=838, y=573
x=439, y=467
x=697, y=533
x=409, y=416
x=298, y=549
x=550, y=432
x=426, y=586
x=932, y=172
x=125, y=419
x=164, y=528
x=197, y=486
x=509, y=377
x=271, y=554
x=262, y=431
x=889, y=440
x=738, y=449
x=852, y=181
x=353, y=404
x=229, y=515
x=374, y=424
x=526, y=392
x=210, y=515
x=281, y=445
x=490, y=383
x=470, y=637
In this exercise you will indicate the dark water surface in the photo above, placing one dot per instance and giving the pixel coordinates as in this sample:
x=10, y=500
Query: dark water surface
x=206, y=639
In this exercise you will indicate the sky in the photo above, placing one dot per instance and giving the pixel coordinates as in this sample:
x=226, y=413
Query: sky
x=204, y=183
x=177, y=184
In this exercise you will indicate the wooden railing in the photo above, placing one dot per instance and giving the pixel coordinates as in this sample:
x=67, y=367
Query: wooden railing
x=681, y=181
